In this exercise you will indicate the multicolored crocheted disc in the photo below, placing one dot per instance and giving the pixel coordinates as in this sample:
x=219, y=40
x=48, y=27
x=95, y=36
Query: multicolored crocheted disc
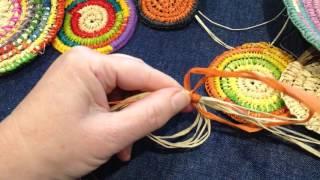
x=308, y=79
x=104, y=25
x=167, y=14
x=305, y=14
x=261, y=58
x=26, y=27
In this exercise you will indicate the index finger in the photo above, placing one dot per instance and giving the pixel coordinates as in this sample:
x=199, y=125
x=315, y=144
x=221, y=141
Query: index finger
x=130, y=73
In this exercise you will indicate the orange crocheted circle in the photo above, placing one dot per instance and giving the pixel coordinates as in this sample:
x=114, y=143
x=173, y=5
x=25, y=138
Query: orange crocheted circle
x=167, y=12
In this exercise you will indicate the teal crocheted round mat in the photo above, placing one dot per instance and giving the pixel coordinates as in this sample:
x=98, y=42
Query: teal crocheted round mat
x=305, y=15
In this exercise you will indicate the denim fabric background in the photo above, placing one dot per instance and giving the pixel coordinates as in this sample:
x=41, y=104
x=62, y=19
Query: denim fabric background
x=228, y=153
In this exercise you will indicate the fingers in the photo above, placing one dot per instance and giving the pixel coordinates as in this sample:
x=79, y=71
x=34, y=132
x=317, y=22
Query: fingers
x=125, y=154
x=129, y=73
x=148, y=114
x=189, y=108
x=116, y=70
x=134, y=75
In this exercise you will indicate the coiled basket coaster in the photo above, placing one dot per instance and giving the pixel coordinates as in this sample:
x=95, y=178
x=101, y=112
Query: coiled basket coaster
x=104, y=25
x=26, y=27
x=167, y=14
x=261, y=58
x=307, y=78
x=305, y=15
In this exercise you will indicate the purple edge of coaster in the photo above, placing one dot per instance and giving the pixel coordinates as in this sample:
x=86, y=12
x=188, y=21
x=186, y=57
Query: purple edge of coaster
x=127, y=34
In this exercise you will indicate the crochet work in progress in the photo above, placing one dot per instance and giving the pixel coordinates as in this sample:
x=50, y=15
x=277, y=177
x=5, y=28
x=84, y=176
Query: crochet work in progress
x=26, y=28
x=198, y=132
x=308, y=79
x=167, y=14
x=261, y=58
x=104, y=25
x=305, y=14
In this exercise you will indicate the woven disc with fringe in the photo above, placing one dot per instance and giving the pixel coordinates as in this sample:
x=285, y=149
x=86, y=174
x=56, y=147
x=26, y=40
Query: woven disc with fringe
x=26, y=27
x=104, y=25
x=167, y=14
x=261, y=58
x=305, y=14
x=307, y=78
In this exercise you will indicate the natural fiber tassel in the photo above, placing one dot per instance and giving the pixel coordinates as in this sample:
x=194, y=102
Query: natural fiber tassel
x=309, y=56
x=202, y=127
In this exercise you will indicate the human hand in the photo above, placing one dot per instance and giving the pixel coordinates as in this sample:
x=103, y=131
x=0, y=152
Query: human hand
x=64, y=128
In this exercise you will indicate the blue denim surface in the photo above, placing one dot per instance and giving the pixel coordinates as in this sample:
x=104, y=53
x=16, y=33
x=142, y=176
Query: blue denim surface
x=228, y=153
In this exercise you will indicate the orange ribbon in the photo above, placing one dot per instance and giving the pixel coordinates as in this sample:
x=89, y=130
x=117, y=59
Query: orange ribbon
x=311, y=102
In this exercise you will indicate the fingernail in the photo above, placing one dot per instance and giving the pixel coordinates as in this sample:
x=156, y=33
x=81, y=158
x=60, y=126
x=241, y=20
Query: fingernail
x=128, y=158
x=129, y=57
x=180, y=100
x=128, y=152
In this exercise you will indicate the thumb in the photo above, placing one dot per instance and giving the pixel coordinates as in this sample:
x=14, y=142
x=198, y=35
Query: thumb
x=149, y=114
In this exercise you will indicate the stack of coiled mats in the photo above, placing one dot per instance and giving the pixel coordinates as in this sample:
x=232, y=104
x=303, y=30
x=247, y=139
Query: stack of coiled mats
x=26, y=27
x=104, y=25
